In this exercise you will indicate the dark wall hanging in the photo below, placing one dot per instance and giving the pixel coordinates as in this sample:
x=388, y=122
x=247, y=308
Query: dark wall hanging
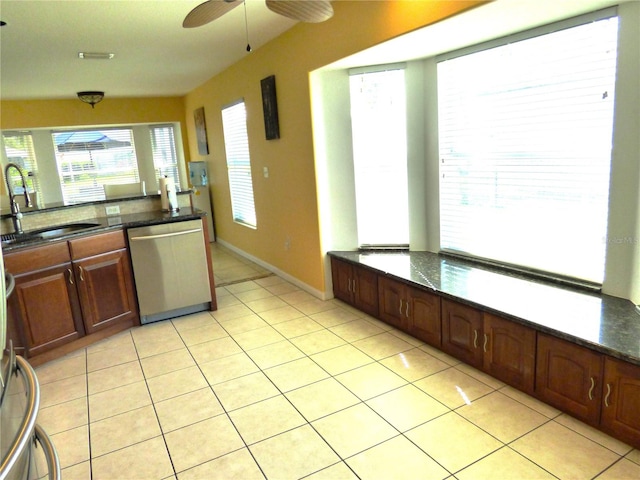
x=270, y=107
x=201, y=131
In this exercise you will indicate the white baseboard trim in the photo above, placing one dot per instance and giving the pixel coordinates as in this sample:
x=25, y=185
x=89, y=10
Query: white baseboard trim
x=289, y=278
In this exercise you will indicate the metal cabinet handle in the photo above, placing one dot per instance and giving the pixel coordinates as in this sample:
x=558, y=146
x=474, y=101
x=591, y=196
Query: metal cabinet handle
x=606, y=397
x=354, y=285
x=50, y=453
x=70, y=276
x=475, y=339
x=24, y=429
x=484, y=346
x=400, y=308
x=593, y=384
x=406, y=310
x=164, y=235
x=81, y=273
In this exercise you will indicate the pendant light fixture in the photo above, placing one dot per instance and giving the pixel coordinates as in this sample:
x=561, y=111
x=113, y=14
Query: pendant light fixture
x=91, y=97
x=246, y=27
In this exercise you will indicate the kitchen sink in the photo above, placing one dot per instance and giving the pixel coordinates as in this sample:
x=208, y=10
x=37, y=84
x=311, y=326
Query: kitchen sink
x=63, y=229
x=46, y=233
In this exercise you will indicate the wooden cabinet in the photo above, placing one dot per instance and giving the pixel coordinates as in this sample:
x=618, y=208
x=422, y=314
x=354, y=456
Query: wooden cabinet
x=44, y=307
x=355, y=285
x=393, y=305
x=103, y=276
x=410, y=309
x=502, y=348
x=621, y=401
x=509, y=352
x=67, y=290
x=591, y=386
x=462, y=332
x=569, y=377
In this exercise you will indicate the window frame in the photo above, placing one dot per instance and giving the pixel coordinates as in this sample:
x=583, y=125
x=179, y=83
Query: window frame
x=92, y=169
x=238, y=156
x=28, y=165
x=566, y=275
x=162, y=152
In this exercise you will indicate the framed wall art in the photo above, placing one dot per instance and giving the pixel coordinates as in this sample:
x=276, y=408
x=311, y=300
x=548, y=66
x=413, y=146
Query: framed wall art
x=201, y=131
x=270, y=107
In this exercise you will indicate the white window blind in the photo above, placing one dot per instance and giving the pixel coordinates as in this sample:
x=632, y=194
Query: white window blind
x=87, y=159
x=525, y=138
x=236, y=141
x=18, y=147
x=165, y=160
x=379, y=132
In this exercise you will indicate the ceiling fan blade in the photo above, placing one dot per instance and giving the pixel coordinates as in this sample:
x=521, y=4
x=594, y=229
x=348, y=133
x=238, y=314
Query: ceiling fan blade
x=207, y=12
x=310, y=11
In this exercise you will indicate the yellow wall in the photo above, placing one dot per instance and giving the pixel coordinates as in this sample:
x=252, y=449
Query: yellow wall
x=16, y=114
x=286, y=203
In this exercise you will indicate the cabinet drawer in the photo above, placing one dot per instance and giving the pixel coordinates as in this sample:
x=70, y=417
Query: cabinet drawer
x=37, y=258
x=96, y=244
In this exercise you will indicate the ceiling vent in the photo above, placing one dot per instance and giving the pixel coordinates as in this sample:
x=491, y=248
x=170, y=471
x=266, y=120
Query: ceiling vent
x=95, y=55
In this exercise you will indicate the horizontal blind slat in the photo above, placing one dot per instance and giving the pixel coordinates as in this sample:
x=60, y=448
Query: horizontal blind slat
x=525, y=135
x=239, y=163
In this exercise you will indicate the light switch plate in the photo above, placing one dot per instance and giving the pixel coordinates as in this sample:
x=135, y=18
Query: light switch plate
x=113, y=210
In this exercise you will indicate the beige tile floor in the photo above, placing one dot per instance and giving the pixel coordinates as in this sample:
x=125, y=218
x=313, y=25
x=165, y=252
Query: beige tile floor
x=278, y=384
x=229, y=267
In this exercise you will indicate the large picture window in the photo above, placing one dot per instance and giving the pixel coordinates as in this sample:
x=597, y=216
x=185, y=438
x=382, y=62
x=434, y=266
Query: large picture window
x=379, y=132
x=236, y=142
x=87, y=159
x=525, y=138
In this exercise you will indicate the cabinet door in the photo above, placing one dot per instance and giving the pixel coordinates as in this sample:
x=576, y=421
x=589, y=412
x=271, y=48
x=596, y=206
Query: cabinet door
x=462, y=332
x=509, y=352
x=341, y=274
x=106, y=291
x=569, y=377
x=45, y=307
x=621, y=403
x=424, y=316
x=393, y=307
x=366, y=290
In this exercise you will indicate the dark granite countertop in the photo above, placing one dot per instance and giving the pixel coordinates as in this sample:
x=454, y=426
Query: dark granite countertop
x=113, y=222
x=601, y=322
x=60, y=205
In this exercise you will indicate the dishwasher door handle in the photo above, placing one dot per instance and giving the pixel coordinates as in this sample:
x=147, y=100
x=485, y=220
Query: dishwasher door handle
x=165, y=235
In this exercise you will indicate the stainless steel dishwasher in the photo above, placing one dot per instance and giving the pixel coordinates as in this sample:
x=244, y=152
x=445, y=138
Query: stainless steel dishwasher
x=170, y=269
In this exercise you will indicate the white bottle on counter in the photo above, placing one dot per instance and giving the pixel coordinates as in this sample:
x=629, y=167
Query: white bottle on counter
x=168, y=196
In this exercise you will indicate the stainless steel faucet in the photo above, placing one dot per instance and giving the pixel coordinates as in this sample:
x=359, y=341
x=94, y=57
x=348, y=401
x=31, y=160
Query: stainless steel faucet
x=15, y=208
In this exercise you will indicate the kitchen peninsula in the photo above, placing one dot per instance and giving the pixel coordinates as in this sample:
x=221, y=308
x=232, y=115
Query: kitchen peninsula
x=77, y=287
x=576, y=350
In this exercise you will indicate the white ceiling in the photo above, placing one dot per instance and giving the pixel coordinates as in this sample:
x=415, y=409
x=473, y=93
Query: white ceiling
x=154, y=54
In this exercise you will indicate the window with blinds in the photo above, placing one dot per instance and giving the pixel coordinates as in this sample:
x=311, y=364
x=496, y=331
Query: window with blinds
x=18, y=148
x=379, y=133
x=236, y=141
x=165, y=160
x=87, y=159
x=525, y=139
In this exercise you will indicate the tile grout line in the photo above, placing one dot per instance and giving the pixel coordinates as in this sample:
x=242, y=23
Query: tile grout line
x=308, y=356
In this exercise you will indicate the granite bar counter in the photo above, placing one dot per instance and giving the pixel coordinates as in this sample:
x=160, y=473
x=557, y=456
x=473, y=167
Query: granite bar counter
x=112, y=222
x=601, y=322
